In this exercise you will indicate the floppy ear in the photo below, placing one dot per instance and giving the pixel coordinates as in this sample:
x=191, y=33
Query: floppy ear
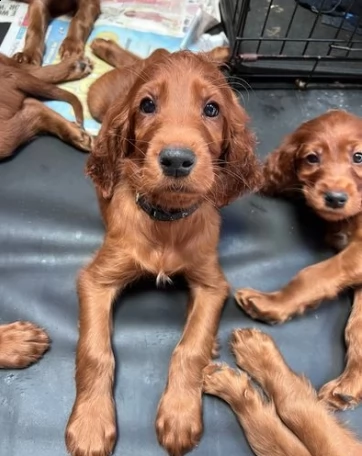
x=114, y=139
x=104, y=162
x=219, y=56
x=241, y=170
x=280, y=176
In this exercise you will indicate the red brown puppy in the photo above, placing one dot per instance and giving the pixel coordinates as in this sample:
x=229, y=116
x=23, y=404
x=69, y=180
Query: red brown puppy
x=174, y=147
x=323, y=160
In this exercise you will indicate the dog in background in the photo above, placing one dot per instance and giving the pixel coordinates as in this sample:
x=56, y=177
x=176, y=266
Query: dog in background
x=39, y=14
x=322, y=159
x=174, y=147
x=22, y=116
x=292, y=422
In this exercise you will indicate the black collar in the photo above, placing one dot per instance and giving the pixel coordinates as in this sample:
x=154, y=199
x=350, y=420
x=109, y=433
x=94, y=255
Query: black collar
x=162, y=215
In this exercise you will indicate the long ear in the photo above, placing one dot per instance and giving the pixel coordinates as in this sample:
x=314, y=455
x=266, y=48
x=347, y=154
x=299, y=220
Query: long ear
x=241, y=171
x=218, y=56
x=279, y=171
x=103, y=164
x=111, y=146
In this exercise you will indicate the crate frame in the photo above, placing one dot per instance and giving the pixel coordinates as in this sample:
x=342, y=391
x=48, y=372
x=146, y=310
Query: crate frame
x=265, y=69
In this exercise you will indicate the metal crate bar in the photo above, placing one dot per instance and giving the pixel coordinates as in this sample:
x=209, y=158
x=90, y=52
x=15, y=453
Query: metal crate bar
x=286, y=42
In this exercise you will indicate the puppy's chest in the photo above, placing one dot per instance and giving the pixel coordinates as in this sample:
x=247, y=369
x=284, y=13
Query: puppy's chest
x=162, y=262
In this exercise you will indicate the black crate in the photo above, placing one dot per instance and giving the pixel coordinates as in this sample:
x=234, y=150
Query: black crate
x=280, y=42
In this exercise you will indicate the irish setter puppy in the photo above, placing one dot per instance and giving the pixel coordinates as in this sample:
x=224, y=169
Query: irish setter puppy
x=323, y=159
x=173, y=148
x=41, y=11
x=22, y=117
x=292, y=422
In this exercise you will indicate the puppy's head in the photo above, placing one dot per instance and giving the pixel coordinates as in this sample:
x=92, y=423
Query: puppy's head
x=324, y=157
x=178, y=137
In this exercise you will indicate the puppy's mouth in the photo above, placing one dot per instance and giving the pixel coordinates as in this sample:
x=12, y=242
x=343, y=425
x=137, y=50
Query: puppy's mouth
x=332, y=205
x=334, y=215
x=176, y=197
x=179, y=188
x=337, y=214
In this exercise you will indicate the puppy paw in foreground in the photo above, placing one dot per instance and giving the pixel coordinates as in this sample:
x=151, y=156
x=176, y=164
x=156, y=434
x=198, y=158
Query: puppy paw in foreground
x=322, y=160
x=291, y=422
x=174, y=147
x=21, y=343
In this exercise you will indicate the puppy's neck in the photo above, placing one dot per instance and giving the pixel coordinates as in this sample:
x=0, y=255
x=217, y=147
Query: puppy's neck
x=161, y=214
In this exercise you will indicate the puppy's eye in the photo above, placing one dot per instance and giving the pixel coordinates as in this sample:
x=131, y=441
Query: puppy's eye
x=312, y=158
x=211, y=109
x=357, y=157
x=148, y=106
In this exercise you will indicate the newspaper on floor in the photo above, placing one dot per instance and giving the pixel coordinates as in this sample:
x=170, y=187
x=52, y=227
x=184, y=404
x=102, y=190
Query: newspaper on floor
x=141, y=26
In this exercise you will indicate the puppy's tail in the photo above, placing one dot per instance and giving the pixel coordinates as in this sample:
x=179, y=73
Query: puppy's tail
x=37, y=88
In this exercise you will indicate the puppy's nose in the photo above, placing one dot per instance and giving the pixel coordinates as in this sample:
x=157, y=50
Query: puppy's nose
x=335, y=200
x=177, y=161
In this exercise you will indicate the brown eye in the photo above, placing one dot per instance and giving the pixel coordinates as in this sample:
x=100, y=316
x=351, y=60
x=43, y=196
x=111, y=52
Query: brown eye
x=211, y=109
x=312, y=158
x=148, y=106
x=357, y=157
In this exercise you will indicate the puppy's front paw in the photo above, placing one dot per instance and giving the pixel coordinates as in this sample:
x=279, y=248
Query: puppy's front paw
x=262, y=306
x=345, y=392
x=33, y=57
x=232, y=386
x=255, y=352
x=70, y=47
x=179, y=421
x=101, y=47
x=82, y=139
x=91, y=429
x=21, y=343
x=81, y=68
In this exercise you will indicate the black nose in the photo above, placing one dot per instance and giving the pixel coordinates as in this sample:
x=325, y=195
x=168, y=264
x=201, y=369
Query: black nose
x=176, y=161
x=335, y=200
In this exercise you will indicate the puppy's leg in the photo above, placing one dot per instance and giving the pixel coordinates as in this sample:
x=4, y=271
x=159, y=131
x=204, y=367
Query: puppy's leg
x=70, y=69
x=111, y=53
x=91, y=429
x=36, y=118
x=80, y=28
x=263, y=428
x=21, y=343
x=33, y=51
x=48, y=121
x=310, y=286
x=295, y=400
x=179, y=416
x=346, y=391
